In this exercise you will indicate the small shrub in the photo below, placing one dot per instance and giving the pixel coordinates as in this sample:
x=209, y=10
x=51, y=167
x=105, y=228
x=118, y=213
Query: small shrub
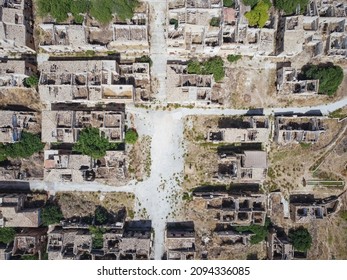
x=229, y=3
x=145, y=59
x=174, y=22
x=131, y=136
x=215, y=21
x=31, y=81
x=233, y=57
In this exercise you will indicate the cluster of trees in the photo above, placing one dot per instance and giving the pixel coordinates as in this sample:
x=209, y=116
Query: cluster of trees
x=229, y=3
x=214, y=66
x=259, y=14
x=290, y=7
x=101, y=10
x=26, y=147
x=330, y=76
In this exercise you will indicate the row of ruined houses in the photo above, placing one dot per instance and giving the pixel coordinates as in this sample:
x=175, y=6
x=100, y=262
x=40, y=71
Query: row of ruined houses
x=192, y=28
x=239, y=205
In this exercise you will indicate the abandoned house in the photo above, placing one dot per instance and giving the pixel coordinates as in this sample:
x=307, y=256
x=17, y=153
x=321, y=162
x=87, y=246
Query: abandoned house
x=12, y=123
x=121, y=36
x=239, y=210
x=226, y=236
x=321, y=31
x=189, y=89
x=180, y=241
x=306, y=208
x=13, y=73
x=294, y=129
x=246, y=166
x=65, y=126
x=278, y=246
x=91, y=80
x=15, y=30
x=30, y=242
x=242, y=129
x=194, y=26
x=288, y=83
x=121, y=240
x=69, y=244
x=14, y=214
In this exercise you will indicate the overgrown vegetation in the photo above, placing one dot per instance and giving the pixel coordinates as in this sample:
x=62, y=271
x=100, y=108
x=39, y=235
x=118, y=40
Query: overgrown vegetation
x=215, y=21
x=300, y=238
x=290, y=7
x=259, y=14
x=229, y=3
x=26, y=147
x=145, y=59
x=7, y=235
x=97, y=236
x=101, y=10
x=51, y=214
x=131, y=136
x=31, y=81
x=330, y=76
x=251, y=3
x=234, y=57
x=91, y=143
x=338, y=114
x=260, y=232
x=214, y=66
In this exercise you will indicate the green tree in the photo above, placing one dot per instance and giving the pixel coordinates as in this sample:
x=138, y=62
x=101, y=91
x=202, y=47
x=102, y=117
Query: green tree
x=259, y=15
x=7, y=235
x=260, y=232
x=300, y=238
x=31, y=81
x=51, y=214
x=91, y=143
x=101, y=215
x=289, y=7
x=330, y=76
x=131, y=136
x=26, y=147
x=97, y=236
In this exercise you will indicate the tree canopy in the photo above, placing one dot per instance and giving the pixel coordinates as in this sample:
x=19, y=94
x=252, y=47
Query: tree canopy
x=27, y=145
x=7, y=235
x=101, y=10
x=289, y=7
x=301, y=239
x=259, y=14
x=214, y=66
x=260, y=232
x=91, y=143
x=233, y=57
x=330, y=76
x=51, y=214
x=251, y=3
